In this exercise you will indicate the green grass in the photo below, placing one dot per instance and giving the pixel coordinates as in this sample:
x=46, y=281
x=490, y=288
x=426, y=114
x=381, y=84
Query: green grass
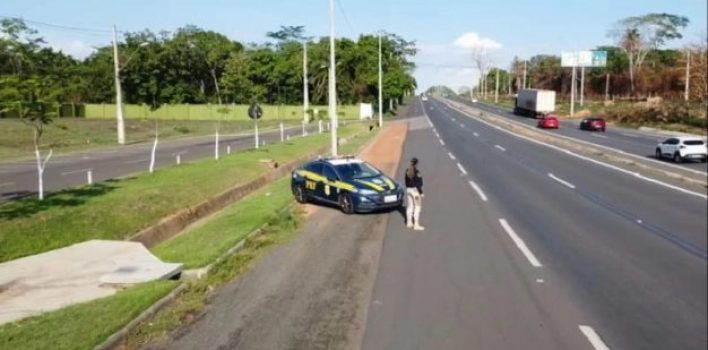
x=119, y=208
x=205, y=242
x=83, y=326
x=76, y=134
x=211, y=112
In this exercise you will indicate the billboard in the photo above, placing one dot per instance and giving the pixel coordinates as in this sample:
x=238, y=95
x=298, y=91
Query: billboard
x=584, y=59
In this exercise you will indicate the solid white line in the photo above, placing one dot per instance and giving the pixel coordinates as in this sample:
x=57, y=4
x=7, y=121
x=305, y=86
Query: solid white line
x=565, y=183
x=500, y=148
x=520, y=244
x=462, y=170
x=451, y=155
x=600, y=136
x=74, y=171
x=475, y=134
x=442, y=142
x=136, y=161
x=479, y=191
x=593, y=337
x=606, y=165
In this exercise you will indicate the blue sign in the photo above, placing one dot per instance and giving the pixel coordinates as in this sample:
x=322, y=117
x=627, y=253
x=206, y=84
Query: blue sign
x=599, y=59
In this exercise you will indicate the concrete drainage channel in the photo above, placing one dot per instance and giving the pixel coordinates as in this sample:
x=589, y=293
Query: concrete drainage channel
x=577, y=146
x=179, y=222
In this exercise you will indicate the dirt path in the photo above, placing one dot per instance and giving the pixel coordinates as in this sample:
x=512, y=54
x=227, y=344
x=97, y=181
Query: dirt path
x=311, y=293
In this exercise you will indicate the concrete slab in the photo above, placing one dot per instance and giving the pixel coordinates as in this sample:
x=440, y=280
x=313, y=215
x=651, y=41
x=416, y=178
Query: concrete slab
x=75, y=274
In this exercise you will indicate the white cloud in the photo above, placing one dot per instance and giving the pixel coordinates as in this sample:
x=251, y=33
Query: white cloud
x=472, y=40
x=75, y=48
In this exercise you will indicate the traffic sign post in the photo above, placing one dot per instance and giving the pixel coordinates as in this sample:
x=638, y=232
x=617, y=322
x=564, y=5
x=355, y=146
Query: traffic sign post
x=581, y=59
x=255, y=112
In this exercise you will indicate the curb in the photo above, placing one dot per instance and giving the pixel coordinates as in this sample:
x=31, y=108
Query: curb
x=118, y=336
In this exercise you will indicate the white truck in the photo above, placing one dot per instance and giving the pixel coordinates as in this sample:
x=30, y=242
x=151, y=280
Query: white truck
x=535, y=103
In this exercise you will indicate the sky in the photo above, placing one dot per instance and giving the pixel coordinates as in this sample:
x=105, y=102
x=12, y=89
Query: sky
x=444, y=31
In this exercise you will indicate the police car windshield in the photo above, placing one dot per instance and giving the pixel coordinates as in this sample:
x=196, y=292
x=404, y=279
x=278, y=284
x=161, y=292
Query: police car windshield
x=351, y=171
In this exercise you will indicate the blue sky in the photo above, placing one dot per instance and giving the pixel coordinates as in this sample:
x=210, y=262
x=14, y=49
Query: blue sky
x=515, y=27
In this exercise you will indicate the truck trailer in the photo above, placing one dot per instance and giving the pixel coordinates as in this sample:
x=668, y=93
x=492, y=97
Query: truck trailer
x=535, y=103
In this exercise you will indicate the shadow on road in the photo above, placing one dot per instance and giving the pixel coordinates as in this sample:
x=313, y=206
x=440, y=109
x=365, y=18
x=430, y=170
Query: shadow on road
x=66, y=198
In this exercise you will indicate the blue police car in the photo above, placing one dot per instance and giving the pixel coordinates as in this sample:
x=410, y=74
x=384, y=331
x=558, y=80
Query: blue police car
x=351, y=184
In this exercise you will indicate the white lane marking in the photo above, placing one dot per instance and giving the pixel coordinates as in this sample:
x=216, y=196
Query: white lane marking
x=75, y=171
x=478, y=190
x=600, y=136
x=462, y=170
x=565, y=183
x=520, y=244
x=435, y=130
x=442, y=143
x=630, y=135
x=136, y=161
x=593, y=338
x=5, y=184
x=500, y=148
x=539, y=280
x=475, y=134
x=594, y=161
x=462, y=125
x=452, y=156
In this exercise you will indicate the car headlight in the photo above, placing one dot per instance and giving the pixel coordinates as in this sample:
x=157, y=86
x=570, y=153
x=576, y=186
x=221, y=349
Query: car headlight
x=367, y=192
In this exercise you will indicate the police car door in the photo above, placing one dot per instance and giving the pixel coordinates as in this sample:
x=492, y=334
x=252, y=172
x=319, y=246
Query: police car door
x=314, y=187
x=330, y=192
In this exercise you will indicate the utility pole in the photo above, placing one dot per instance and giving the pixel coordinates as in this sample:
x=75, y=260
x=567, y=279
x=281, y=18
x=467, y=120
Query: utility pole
x=332, y=81
x=523, y=84
x=496, y=88
x=380, y=86
x=688, y=75
x=572, y=93
x=120, y=127
x=582, y=85
x=305, y=87
x=607, y=87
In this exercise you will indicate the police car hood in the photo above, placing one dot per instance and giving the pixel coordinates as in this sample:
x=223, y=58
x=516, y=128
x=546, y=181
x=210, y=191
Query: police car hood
x=380, y=183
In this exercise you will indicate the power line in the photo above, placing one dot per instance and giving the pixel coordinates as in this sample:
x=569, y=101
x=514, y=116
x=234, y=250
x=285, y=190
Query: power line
x=344, y=14
x=59, y=27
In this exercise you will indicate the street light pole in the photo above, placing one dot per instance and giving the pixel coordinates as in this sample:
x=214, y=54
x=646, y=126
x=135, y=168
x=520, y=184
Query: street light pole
x=332, y=81
x=119, y=95
x=380, y=86
x=305, y=87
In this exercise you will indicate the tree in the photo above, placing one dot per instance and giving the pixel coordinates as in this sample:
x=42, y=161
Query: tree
x=637, y=35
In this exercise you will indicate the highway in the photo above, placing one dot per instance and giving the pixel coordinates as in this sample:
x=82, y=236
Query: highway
x=18, y=179
x=527, y=247
x=636, y=142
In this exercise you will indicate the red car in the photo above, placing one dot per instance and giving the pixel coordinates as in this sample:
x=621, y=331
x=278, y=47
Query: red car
x=549, y=122
x=593, y=123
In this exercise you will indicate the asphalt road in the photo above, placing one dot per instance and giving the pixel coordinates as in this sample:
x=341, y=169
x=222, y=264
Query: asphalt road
x=636, y=142
x=562, y=253
x=19, y=179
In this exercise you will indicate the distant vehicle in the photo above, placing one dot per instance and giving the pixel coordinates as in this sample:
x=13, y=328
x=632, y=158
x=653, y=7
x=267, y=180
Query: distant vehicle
x=535, y=103
x=349, y=183
x=593, y=123
x=549, y=122
x=474, y=100
x=424, y=98
x=682, y=148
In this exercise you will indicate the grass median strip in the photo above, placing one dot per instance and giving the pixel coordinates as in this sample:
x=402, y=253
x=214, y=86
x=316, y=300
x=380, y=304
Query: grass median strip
x=116, y=209
x=85, y=325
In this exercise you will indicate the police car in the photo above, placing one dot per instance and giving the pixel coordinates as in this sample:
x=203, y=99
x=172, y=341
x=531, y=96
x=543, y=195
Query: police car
x=352, y=184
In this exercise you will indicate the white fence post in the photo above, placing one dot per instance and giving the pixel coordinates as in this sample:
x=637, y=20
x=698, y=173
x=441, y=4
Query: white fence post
x=282, y=132
x=319, y=126
x=89, y=177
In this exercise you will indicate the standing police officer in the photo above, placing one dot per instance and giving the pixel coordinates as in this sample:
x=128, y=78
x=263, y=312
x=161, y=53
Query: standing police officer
x=414, y=195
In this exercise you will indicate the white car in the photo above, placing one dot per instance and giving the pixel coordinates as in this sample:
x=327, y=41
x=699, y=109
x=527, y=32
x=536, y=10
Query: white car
x=474, y=100
x=682, y=148
x=424, y=98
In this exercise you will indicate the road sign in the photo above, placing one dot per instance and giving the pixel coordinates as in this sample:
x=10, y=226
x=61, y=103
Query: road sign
x=584, y=59
x=255, y=111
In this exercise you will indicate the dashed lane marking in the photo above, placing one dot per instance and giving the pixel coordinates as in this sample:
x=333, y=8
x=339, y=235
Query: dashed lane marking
x=593, y=338
x=565, y=183
x=520, y=244
x=478, y=190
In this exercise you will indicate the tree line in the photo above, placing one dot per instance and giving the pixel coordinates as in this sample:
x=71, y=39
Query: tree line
x=637, y=66
x=194, y=65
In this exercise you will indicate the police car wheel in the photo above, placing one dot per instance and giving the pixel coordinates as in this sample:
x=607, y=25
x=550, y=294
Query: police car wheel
x=299, y=194
x=345, y=204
